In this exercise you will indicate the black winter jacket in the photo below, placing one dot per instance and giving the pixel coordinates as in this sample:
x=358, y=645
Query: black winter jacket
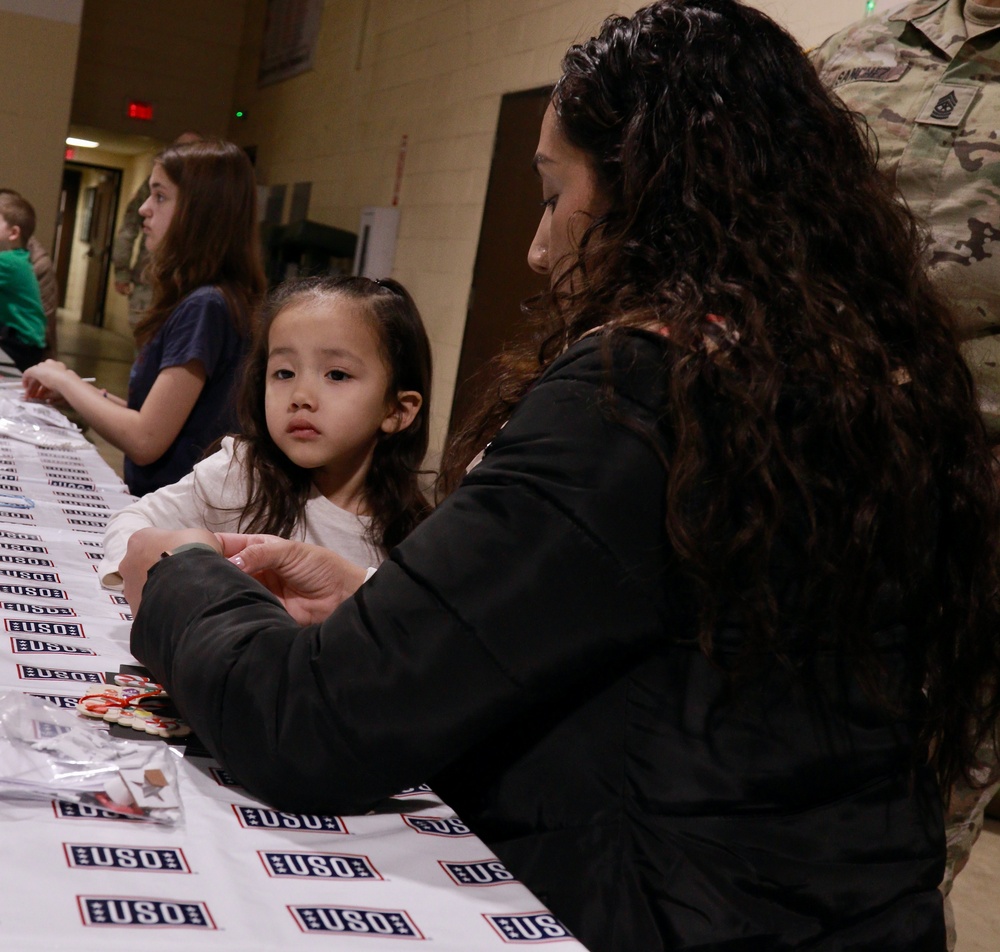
x=528, y=651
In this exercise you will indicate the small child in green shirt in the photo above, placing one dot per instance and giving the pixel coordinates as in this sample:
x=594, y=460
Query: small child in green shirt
x=22, y=318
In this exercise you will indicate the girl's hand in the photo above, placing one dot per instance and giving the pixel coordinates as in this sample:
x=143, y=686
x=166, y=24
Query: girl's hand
x=308, y=580
x=46, y=380
x=146, y=547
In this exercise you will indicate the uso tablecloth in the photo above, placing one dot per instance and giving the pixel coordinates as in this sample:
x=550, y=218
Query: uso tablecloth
x=235, y=875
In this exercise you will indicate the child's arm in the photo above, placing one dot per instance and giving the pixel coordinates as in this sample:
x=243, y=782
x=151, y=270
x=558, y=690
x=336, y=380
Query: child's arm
x=210, y=497
x=143, y=435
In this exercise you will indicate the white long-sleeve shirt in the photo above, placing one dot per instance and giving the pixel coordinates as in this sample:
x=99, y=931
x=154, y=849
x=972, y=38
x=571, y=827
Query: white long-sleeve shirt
x=213, y=496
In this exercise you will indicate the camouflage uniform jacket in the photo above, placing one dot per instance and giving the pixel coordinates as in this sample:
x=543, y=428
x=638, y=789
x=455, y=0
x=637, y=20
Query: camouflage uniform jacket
x=123, y=250
x=932, y=97
x=41, y=264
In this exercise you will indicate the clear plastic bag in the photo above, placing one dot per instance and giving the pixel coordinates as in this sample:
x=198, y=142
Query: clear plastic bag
x=35, y=423
x=49, y=753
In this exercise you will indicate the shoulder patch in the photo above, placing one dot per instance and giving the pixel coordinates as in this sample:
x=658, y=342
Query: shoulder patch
x=948, y=105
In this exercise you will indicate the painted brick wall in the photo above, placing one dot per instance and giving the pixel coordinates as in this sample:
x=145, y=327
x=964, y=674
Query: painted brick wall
x=435, y=71
x=38, y=45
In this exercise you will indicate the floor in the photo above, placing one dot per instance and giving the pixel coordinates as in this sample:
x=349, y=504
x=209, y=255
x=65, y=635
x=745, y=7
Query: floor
x=93, y=352
x=976, y=895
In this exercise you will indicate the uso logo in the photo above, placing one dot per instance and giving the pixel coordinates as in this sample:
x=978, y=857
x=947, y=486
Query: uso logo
x=256, y=818
x=14, y=547
x=529, y=927
x=419, y=791
x=27, y=672
x=101, y=504
x=318, y=865
x=33, y=591
x=223, y=777
x=83, y=811
x=37, y=609
x=75, y=470
x=139, y=913
x=389, y=923
x=486, y=872
x=57, y=700
x=87, y=523
x=71, y=484
x=25, y=560
x=29, y=536
x=437, y=825
x=26, y=576
x=65, y=629
x=153, y=859
x=30, y=646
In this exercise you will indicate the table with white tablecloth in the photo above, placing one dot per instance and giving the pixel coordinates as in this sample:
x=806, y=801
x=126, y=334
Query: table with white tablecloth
x=234, y=874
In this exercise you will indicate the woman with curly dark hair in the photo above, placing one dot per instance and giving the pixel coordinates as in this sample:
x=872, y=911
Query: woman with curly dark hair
x=695, y=642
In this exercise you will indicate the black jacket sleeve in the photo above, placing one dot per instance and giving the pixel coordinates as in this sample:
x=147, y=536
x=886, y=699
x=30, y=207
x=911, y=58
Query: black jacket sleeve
x=543, y=573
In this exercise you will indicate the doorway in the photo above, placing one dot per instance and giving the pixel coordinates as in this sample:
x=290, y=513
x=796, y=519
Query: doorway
x=88, y=206
x=501, y=278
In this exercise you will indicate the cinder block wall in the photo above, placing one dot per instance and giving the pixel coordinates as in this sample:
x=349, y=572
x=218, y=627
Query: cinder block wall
x=435, y=71
x=38, y=47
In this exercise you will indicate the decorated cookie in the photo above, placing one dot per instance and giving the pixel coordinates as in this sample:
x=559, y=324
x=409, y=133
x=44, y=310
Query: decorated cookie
x=139, y=706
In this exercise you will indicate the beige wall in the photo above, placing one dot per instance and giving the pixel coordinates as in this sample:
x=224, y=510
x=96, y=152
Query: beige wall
x=38, y=46
x=434, y=70
x=180, y=55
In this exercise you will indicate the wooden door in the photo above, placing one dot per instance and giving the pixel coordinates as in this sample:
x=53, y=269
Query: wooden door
x=102, y=226
x=501, y=278
x=66, y=227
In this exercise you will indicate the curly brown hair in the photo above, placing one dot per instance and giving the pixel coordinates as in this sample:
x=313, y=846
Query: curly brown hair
x=820, y=412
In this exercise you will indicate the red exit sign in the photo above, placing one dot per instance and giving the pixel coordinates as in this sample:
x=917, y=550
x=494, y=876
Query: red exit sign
x=140, y=110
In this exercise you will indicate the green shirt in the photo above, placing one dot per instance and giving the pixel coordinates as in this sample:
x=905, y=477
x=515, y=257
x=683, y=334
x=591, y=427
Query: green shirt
x=20, y=300
x=931, y=95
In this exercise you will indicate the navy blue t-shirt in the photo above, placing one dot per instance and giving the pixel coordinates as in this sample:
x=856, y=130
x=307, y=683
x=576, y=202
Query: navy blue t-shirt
x=199, y=328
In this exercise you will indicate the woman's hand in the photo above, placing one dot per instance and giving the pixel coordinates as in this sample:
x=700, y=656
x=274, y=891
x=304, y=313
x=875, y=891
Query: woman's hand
x=46, y=380
x=146, y=547
x=308, y=580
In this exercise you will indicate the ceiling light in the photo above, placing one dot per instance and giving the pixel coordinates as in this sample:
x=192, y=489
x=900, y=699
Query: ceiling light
x=82, y=143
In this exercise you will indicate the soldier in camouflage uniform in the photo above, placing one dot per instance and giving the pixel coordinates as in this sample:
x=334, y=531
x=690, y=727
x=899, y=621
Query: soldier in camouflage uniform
x=927, y=79
x=129, y=272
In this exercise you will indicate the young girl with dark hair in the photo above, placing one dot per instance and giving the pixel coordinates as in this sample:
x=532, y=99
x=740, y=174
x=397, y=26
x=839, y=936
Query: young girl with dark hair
x=334, y=407
x=207, y=276
x=693, y=645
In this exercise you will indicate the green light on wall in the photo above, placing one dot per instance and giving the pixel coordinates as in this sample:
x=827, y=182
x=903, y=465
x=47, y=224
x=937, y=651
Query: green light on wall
x=241, y=114
x=869, y=7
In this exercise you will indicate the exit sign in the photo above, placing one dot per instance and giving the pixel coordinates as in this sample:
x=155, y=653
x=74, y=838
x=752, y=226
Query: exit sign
x=140, y=110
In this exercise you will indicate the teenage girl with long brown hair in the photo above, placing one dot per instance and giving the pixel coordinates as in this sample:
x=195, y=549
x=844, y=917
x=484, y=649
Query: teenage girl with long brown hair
x=207, y=275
